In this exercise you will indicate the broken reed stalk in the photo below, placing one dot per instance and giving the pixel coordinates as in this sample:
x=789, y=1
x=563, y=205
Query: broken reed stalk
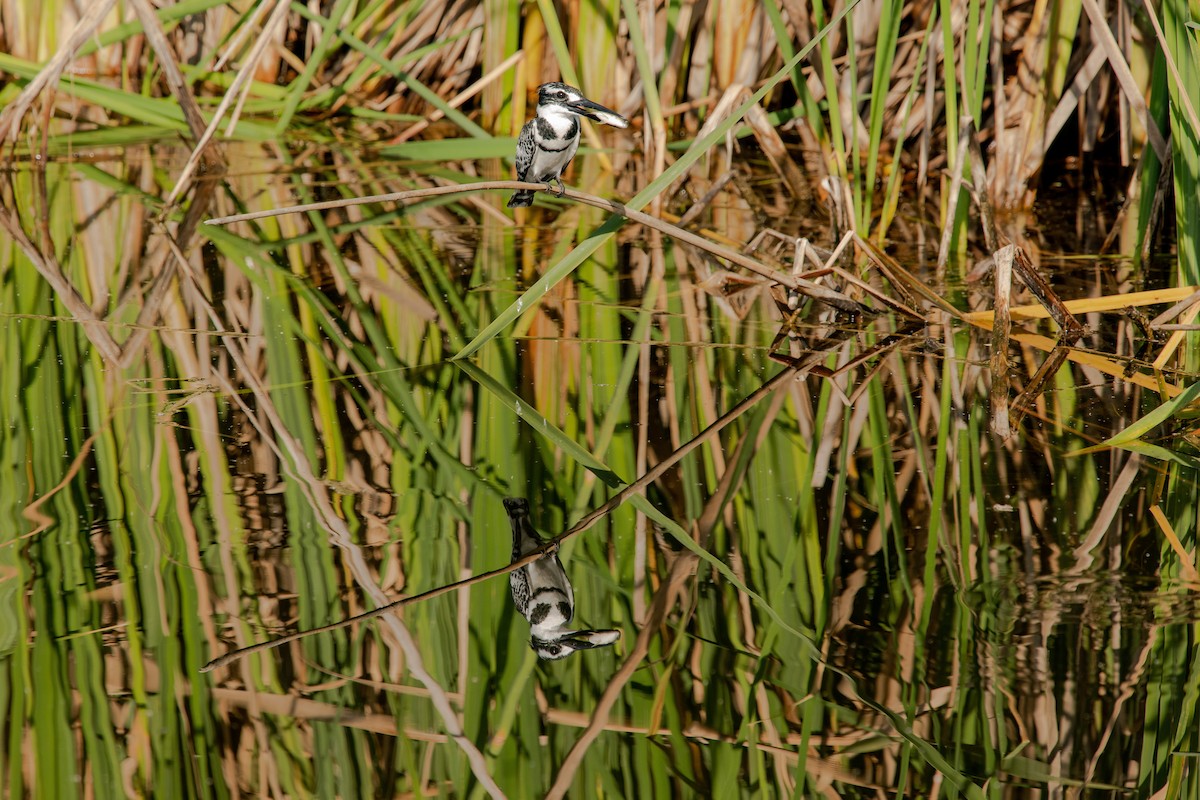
x=1070, y=331
x=548, y=547
x=1001, y=325
x=1071, y=328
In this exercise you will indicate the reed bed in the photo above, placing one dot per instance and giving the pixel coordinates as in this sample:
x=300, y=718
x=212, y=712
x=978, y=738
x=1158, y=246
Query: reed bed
x=304, y=376
x=876, y=103
x=220, y=435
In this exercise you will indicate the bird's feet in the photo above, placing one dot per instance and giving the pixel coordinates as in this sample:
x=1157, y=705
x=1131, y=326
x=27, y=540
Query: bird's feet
x=562, y=190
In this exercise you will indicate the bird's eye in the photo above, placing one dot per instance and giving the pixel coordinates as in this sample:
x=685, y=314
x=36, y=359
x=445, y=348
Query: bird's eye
x=562, y=95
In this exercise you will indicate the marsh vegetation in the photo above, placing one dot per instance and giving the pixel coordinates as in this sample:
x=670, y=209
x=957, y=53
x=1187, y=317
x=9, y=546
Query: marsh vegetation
x=856, y=379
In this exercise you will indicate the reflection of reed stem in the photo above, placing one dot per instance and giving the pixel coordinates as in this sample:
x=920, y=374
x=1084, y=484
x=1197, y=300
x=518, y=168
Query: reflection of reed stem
x=674, y=231
x=549, y=547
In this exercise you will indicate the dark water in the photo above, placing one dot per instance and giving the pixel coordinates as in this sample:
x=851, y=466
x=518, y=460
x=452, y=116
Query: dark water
x=880, y=596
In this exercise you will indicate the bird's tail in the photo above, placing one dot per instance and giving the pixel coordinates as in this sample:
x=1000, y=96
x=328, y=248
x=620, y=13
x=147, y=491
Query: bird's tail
x=521, y=198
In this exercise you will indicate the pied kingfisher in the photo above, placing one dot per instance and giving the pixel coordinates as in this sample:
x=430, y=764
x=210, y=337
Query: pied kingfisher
x=549, y=140
x=542, y=593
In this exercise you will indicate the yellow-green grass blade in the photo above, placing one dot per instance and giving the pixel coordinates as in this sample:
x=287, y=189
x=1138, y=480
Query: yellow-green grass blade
x=1159, y=452
x=523, y=409
x=124, y=136
x=837, y=137
x=885, y=54
x=440, y=150
x=257, y=91
x=891, y=195
x=1158, y=107
x=783, y=40
x=1148, y=422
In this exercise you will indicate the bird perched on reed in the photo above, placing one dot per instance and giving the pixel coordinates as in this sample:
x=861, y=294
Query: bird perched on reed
x=548, y=141
x=543, y=595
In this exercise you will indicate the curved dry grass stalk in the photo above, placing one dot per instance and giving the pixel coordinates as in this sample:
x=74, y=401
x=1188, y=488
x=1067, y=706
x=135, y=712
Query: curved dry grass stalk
x=829, y=769
x=304, y=708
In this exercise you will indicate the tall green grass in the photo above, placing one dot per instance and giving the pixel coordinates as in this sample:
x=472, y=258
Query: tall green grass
x=881, y=96
x=423, y=364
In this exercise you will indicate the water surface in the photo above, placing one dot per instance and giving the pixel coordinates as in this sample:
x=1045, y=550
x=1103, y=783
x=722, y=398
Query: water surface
x=271, y=435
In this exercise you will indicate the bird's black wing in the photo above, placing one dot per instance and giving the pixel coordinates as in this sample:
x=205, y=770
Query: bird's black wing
x=525, y=149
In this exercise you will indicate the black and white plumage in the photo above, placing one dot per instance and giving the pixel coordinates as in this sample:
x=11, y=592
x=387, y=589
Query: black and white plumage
x=543, y=595
x=548, y=141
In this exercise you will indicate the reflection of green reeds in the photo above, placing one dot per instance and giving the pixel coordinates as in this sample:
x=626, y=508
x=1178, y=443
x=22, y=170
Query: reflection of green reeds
x=344, y=371
x=897, y=561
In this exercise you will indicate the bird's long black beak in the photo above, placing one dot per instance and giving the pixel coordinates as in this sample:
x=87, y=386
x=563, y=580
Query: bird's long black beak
x=590, y=640
x=599, y=113
x=569, y=642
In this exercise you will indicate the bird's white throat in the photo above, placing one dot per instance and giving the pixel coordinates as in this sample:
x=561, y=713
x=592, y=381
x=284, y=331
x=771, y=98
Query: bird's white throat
x=560, y=119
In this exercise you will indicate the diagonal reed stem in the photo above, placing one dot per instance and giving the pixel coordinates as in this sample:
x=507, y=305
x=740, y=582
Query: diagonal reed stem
x=550, y=546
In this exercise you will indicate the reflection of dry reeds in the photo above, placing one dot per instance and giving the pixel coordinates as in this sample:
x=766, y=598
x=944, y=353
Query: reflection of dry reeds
x=264, y=434
x=889, y=487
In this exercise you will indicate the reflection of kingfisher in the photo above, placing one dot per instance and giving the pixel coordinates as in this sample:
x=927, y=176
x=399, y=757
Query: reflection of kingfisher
x=542, y=593
x=549, y=140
